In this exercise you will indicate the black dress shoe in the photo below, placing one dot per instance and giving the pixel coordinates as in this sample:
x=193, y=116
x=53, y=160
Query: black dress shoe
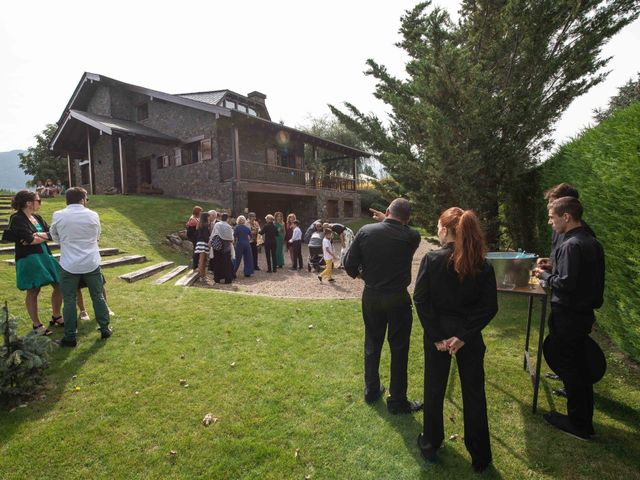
x=480, y=467
x=372, y=397
x=405, y=407
x=104, y=334
x=563, y=423
x=428, y=451
x=63, y=342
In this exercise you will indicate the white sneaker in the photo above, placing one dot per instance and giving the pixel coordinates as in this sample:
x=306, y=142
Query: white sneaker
x=111, y=313
x=84, y=315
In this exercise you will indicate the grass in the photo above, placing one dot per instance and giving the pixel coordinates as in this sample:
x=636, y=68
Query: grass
x=277, y=386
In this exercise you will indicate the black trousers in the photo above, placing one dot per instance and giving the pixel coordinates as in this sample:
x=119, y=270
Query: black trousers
x=470, y=360
x=297, y=253
x=270, y=253
x=568, y=332
x=381, y=312
x=254, y=253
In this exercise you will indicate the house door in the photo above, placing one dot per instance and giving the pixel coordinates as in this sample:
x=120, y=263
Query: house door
x=145, y=170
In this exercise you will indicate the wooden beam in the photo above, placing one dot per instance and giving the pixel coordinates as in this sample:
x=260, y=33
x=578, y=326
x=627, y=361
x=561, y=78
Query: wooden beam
x=236, y=152
x=69, y=169
x=188, y=279
x=89, y=158
x=145, y=272
x=121, y=166
x=126, y=260
x=168, y=276
x=104, y=252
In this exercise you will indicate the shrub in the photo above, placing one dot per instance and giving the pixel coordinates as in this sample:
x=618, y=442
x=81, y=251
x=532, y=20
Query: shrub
x=372, y=198
x=22, y=359
x=604, y=165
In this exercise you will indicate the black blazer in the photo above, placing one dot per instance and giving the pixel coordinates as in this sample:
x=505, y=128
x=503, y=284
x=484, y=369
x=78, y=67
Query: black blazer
x=448, y=307
x=21, y=230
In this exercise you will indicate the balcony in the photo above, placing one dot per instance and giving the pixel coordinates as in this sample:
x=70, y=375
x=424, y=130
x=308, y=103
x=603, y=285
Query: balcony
x=275, y=174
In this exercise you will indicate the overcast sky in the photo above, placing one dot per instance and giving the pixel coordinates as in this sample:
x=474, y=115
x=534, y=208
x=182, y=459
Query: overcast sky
x=301, y=54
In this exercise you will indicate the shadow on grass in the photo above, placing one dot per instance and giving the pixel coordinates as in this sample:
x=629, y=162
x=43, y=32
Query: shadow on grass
x=67, y=362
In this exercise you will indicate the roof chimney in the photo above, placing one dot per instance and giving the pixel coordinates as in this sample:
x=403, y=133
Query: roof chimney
x=257, y=97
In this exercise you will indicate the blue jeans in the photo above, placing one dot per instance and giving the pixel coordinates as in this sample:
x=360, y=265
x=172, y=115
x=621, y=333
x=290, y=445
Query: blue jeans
x=69, y=286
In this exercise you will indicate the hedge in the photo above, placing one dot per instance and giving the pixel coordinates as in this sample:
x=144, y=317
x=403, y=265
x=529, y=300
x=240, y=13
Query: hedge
x=604, y=164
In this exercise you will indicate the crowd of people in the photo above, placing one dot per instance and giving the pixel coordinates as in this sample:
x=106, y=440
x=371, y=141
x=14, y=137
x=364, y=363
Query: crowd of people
x=221, y=243
x=455, y=294
x=49, y=188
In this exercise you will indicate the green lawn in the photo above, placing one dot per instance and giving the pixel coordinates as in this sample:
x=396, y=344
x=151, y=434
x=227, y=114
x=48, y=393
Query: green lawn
x=288, y=396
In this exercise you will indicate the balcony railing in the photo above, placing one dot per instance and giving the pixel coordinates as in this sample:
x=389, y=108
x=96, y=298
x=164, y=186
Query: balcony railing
x=263, y=172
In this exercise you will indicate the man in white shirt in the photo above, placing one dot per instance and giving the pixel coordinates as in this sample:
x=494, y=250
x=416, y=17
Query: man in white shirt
x=296, y=245
x=77, y=230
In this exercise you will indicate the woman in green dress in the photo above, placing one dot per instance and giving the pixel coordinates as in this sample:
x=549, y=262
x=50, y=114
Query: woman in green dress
x=35, y=266
x=279, y=223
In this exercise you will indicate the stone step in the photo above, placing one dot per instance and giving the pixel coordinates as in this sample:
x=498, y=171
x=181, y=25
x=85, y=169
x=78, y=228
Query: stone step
x=188, y=279
x=12, y=250
x=104, y=252
x=145, y=272
x=126, y=260
x=168, y=276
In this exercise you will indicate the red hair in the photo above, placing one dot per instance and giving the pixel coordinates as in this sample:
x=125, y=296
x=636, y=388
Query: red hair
x=468, y=246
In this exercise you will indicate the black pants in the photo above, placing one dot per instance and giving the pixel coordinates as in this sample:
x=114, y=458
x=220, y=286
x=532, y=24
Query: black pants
x=470, y=360
x=297, y=253
x=254, y=253
x=568, y=332
x=382, y=311
x=270, y=253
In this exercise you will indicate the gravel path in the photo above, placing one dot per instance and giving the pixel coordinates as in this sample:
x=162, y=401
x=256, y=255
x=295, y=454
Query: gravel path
x=303, y=284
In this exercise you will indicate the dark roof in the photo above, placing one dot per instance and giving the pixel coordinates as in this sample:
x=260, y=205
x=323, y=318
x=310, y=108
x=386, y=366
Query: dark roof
x=110, y=125
x=212, y=98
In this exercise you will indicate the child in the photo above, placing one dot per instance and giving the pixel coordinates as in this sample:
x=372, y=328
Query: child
x=329, y=256
x=296, y=247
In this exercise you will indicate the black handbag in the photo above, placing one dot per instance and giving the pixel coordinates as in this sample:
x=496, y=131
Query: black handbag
x=216, y=243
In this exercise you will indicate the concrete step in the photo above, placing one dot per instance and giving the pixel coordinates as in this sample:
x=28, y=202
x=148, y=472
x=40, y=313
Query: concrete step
x=188, y=279
x=12, y=250
x=168, y=276
x=126, y=260
x=145, y=272
x=104, y=252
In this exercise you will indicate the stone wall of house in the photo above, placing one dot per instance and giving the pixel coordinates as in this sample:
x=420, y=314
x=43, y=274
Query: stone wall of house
x=102, y=159
x=100, y=103
x=326, y=195
x=121, y=103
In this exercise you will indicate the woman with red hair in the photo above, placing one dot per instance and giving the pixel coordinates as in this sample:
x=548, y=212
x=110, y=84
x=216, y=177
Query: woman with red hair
x=456, y=297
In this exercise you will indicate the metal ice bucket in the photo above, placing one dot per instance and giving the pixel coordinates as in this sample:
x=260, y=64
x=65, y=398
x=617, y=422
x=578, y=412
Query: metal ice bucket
x=512, y=269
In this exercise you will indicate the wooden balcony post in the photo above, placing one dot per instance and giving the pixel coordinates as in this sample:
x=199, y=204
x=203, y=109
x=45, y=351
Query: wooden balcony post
x=236, y=151
x=69, y=169
x=355, y=173
x=89, y=158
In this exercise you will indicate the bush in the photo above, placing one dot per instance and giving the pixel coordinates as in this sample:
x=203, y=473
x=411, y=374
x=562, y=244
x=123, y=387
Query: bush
x=603, y=164
x=22, y=360
x=372, y=198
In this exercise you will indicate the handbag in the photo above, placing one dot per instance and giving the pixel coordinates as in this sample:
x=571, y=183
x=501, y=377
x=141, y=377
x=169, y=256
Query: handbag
x=217, y=243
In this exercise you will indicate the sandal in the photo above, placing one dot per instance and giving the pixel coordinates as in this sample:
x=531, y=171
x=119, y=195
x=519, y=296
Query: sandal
x=56, y=321
x=45, y=333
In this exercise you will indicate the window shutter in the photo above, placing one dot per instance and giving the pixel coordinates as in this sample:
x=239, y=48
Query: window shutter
x=272, y=158
x=178, y=156
x=205, y=148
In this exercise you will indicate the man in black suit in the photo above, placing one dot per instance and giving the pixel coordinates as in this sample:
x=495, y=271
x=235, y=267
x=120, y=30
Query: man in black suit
x=381, y=255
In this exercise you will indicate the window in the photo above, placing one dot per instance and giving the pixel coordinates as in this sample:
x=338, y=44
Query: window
x=142, y=111
x=348, y=208
x=252, y=112
x=242, y=108
x=162, y=161
x=229, y=104
x=191, y=153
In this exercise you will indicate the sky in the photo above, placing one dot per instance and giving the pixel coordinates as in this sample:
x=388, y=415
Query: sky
x=303, y=55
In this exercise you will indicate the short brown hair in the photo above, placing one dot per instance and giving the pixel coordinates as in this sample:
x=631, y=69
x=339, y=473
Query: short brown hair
x=561, y=190
x=75, y=195
x=20, y=199
x=196, y=211
x=570, y=205
x=401, y=209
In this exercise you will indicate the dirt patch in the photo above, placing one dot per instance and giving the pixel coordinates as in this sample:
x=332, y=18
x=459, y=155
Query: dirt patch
x=302, y=284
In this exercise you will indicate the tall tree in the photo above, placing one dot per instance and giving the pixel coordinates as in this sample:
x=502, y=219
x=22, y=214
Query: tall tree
x=41, y=162
x=627, y=94
x=477, y=106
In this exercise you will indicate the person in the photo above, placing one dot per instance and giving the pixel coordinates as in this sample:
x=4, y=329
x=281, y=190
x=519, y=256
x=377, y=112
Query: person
x=254, y=225
x=202, y=244
x=192, y=227
x=296, y=247
x=242, y=234
x=213, y=218
x=269, y=233
x=314, y=228
x=279, y=223
x=381, y=255
x=346, y=237
x=222, y=263
x=84, y=316
x=577, y=288
x=289, y=227
x=456, y=297
x=77, y=230
x=551, y=195
x=328, y=255
x=35, y=266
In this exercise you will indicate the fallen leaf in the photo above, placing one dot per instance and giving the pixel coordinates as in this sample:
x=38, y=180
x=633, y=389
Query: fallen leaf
x=310, y=327
x=232, y=364
x=77, y=388
x=183, y=382
x=453, y=420
x=182, y=356
x=172, y=453
x=137, y=393
x=307, y=477
x=453, y=437
x=24, y=405
x=297, y=454
x=74, y=377
x=209, y=419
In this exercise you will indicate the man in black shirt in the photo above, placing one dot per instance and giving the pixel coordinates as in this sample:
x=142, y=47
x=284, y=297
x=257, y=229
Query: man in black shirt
x=269, y=232
x=577, y=287
x=381, y=255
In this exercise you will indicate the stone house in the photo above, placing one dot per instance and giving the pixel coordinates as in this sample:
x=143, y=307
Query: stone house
x=218, y=146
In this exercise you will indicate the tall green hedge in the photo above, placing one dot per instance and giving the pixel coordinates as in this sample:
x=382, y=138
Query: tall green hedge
x=604, y=164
